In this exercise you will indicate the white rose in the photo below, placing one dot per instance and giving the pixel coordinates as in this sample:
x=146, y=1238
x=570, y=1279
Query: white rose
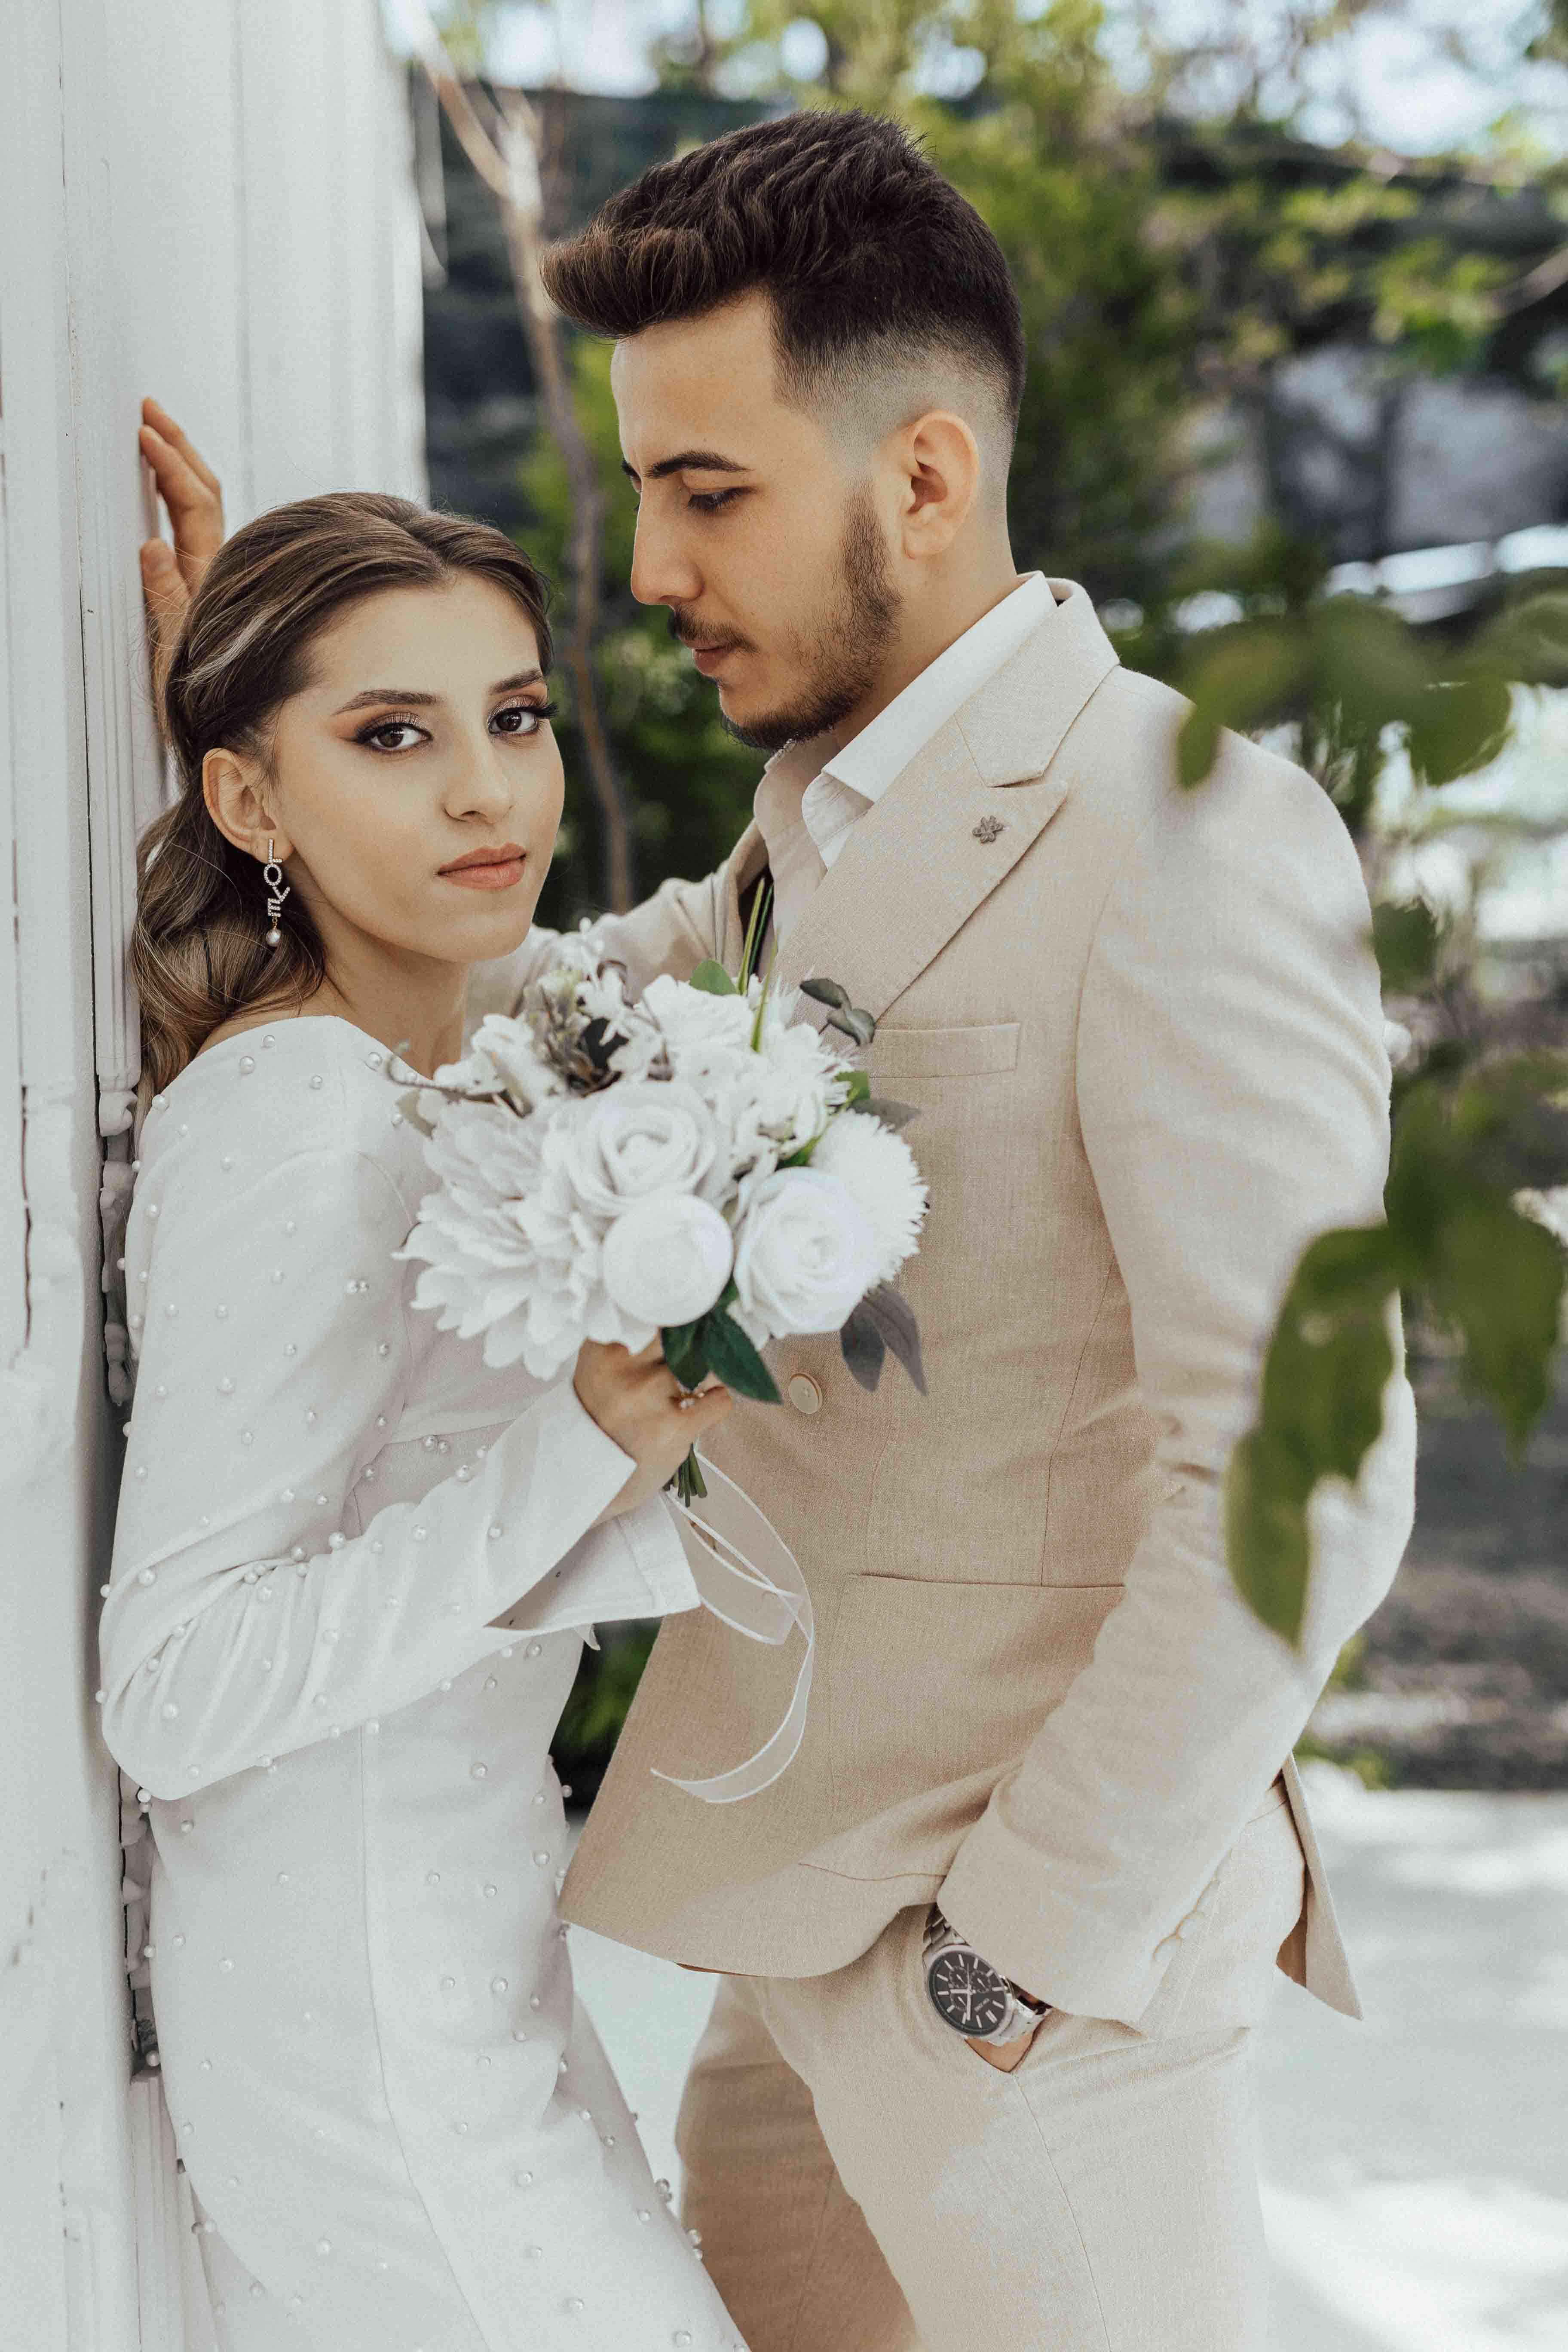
x=805, y=1255
x=706, y=1038
x=666, y=1260
x=635, y=1140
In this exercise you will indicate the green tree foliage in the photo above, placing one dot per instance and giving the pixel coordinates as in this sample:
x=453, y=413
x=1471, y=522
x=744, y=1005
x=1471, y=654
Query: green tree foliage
x=1474, y=1128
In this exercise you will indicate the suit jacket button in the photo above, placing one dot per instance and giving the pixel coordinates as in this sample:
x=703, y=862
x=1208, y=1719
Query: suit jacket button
x=803, y=1394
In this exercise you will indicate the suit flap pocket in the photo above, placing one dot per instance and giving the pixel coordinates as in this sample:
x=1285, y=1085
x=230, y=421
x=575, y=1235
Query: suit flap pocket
x=896, y=1053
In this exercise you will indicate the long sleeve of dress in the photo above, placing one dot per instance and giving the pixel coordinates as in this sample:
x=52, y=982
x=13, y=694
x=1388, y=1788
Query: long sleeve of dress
x=250, y=1609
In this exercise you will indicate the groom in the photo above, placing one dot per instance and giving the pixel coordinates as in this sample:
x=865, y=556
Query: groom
x=992, y=1950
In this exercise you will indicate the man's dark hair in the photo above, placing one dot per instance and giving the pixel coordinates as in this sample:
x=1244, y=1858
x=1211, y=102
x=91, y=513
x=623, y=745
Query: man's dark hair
x=862, y=245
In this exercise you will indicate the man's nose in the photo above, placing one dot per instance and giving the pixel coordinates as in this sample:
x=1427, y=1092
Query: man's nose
x=662, y=571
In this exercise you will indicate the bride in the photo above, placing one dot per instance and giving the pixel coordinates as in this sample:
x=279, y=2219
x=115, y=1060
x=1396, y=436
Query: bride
x=353, y=1567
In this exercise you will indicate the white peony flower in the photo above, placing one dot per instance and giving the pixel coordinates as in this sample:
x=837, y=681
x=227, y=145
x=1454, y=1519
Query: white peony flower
x=503, y=1058
x=666, y=1260
x=804, y=1256
x=636, y=1139
x=879, y=1168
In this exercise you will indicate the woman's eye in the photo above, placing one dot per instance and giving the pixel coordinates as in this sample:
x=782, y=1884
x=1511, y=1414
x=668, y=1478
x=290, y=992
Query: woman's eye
x=712, y=501
x=522, y=718
x=382, y=737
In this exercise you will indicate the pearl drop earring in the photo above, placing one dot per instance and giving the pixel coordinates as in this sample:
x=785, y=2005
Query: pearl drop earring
x=272, y=875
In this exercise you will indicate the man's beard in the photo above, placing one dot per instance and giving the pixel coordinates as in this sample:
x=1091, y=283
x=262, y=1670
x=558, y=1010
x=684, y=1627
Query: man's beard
x=846, y=647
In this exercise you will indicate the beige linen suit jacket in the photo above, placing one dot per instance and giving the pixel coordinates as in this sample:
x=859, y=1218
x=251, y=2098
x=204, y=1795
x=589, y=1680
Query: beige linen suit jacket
x=1143, y=1029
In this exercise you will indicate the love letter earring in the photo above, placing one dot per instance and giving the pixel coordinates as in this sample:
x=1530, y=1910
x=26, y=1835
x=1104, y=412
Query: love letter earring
x=272, y=875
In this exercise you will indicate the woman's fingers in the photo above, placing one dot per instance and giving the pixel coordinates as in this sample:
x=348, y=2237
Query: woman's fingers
x=710, y=1408
x=189, y=490
x=164, y=426
x=164, y=588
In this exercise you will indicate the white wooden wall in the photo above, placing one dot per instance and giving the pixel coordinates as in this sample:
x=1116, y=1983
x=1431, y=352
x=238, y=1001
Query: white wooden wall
x=210, y=201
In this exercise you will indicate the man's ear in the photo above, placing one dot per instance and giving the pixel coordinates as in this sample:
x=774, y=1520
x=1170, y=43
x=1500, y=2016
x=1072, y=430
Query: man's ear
x=233, y=786
x=941, y=461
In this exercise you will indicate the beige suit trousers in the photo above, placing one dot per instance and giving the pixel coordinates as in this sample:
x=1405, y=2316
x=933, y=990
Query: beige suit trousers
x=863, y=2182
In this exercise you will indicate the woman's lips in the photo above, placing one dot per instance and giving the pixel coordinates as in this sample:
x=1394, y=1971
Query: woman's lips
x=503, y=874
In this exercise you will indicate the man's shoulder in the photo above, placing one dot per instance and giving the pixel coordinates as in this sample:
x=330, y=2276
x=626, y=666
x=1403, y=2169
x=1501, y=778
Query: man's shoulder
x=1124, y=759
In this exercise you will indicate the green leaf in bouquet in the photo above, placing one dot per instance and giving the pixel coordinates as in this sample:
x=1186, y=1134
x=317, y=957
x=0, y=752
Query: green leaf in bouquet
x=858, y=1090
x=713, y=979
x=683, y=1352
x=855, y=1024
x=864, y=1348
x=761, y=905
x=826, y=992
x=893, y=1320
x=730, y=1354
x=895, y=1115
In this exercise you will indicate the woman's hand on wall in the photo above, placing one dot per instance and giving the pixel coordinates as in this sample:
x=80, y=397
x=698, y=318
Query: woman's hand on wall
x=194, y=497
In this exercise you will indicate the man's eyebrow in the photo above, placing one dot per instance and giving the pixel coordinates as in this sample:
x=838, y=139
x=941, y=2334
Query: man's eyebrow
x=375, y=694
x=704, y=461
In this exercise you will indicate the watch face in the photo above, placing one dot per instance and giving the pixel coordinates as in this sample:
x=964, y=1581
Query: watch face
x=966, y=1992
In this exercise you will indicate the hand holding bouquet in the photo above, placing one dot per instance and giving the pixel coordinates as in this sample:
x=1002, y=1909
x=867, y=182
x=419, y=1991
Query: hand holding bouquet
x=697, y=1165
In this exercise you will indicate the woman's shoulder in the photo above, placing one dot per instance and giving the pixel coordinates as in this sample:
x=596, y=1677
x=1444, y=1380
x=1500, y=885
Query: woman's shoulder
x=269, y=1097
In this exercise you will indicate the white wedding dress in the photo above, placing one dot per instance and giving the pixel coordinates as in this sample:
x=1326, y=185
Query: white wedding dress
x=401, y=2134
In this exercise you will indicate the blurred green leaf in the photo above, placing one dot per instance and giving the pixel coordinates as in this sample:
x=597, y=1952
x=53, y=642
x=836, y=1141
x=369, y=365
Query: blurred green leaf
x=1320, y=1407
x=1266, y=1533
x=1456, y=726
x=1527, y=643
x=1247, y=677
x=1405, y=939
x=1499, y=1276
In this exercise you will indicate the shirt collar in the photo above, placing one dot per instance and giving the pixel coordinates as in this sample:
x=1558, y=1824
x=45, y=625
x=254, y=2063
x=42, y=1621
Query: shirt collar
x=869, y=763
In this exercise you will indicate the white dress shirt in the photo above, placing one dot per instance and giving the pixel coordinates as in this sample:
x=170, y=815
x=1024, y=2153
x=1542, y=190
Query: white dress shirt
x=812, y=795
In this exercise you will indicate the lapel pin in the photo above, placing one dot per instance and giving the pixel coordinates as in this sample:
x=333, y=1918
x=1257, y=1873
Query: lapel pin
x=988, y=828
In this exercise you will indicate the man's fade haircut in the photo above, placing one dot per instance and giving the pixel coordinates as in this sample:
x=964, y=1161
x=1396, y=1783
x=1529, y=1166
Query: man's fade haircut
x=866, y=253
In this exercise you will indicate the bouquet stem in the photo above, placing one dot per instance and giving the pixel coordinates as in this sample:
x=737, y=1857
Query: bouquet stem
x=687, y=1482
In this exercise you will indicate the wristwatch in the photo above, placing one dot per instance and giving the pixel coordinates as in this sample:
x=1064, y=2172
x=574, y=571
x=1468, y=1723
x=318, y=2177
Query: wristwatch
x=967, y=1993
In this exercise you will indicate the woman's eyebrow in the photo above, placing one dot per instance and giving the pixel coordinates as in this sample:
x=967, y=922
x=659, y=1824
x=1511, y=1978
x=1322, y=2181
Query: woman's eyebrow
x=375, y=694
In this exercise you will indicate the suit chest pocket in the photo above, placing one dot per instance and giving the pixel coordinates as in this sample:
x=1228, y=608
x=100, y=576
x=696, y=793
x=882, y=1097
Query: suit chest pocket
x=987, y=1048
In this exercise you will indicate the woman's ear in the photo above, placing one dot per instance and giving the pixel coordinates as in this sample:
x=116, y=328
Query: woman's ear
x=232, y=787
x=942, y=469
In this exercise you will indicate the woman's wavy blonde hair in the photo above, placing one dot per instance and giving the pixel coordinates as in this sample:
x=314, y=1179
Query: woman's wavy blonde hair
x=198, y=951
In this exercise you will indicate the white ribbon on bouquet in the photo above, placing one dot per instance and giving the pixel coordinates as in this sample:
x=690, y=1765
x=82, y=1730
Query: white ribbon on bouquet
x=744, y=1596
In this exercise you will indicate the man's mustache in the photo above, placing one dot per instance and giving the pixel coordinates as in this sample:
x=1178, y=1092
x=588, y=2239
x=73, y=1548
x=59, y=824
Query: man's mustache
x=690, y=633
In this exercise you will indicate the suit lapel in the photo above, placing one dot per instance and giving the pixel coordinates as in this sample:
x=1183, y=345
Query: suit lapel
x=952, y=825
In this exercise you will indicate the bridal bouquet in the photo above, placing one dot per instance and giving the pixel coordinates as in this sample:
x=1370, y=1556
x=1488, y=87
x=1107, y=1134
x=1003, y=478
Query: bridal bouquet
x=695, y=1164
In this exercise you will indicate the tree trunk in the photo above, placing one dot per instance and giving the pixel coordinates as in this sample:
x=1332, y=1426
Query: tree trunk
x=524, y=216
x=508, y=162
